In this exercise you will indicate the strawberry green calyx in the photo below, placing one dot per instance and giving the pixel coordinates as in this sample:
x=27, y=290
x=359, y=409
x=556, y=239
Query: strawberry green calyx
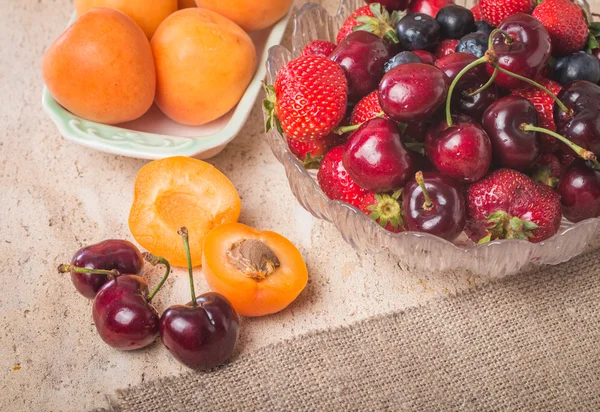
x=545, y=177
x=312, y=162
x=269, y=105
x=387, y=210
x=504, y=226
x=382, y=25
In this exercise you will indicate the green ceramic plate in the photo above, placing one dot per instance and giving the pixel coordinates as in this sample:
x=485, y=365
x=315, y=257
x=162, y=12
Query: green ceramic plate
x=154, y=136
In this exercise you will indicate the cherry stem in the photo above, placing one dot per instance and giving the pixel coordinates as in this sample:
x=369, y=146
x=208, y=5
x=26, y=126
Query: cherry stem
x=157, y=260
x=468, y=67
x=428, y=205
x=345, y=129
x=72, y=268
x=183, y=232
x=583, y=153
x=487, y=84
x=508, y=37
x=539, y=86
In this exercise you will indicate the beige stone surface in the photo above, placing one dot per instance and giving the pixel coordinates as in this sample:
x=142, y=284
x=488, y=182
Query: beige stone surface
x=56, y=197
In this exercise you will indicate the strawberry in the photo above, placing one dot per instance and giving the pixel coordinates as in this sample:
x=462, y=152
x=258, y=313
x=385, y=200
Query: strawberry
x=429, y=7
x=494, y=11
x=335, y=181
x=509, y=205
x=446, y=47
x=309, y=97
x=548, y=170
x=384, y=209
x=476, y=12
x=318, y=48
x=544, y=104
x=351, y=22
x=566, y=24
x=366, y=109
x=311, y=153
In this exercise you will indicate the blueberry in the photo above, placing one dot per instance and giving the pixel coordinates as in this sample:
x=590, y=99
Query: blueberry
x=401, y=58
x=577, y=66
x=473, y=43
x=418, y=31
x=483, y=27
x=455, y=21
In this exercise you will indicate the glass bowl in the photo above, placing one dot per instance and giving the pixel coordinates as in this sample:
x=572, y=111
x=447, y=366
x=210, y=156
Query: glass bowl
x=414, y=250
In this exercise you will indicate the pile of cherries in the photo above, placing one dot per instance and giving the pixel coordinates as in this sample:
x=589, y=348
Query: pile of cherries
x=448, y=89
x=201, y=334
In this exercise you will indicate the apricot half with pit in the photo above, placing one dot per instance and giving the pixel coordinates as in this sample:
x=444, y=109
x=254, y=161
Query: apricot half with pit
x=101, y=68
x=204, y=63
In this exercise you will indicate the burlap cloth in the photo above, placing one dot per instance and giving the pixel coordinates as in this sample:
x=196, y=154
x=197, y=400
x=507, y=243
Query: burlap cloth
x=530, y=342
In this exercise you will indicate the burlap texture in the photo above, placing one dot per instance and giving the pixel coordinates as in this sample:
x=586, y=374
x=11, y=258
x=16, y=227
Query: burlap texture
x=530, y=342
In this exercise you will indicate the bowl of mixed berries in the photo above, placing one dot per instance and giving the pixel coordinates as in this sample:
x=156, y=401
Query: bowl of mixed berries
x=451, y=137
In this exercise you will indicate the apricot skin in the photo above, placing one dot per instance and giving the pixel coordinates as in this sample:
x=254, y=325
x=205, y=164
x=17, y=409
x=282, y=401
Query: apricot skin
x=204, y=63
x=250, y=15
x=184, y=4
x=101, y=68
x=148, y=14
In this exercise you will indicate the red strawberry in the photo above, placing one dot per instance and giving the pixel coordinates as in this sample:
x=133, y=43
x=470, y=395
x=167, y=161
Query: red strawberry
x=494, y=11
x=548, y=170
x=565, y=22
x=335, y=181
x=544, y=104
x=384, y=209
x=318, y=48
x=351, y=22
x=311, y=153
x=366, y=109
x=430, y=7
x=509, y=205
x=308, y=99
x=446, y=47
x=476, y=12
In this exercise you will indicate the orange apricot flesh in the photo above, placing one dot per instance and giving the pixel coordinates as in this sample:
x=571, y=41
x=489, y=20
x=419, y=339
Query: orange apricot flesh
x=252, y=293
x=175, y=192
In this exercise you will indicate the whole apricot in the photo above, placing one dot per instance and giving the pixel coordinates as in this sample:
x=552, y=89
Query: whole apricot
x=250, y=15
x=204, y=62
x=184, y=4
x=101, y=68
x=147, y=14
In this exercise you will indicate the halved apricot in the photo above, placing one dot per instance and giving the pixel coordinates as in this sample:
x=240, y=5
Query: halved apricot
x=175, y=192
x=259, y=272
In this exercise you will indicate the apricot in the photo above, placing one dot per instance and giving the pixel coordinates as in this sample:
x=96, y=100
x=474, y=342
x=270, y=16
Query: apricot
x=204, y=63
x=147, y=14
x=250, y=15
x=101, y=68
x=258, y=272
x=184, y=4
x=176, y=192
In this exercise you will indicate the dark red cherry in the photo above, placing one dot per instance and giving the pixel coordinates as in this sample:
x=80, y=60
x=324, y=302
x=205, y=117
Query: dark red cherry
x=425, y=56
x=412, y=92
x=391, y=5
x=123, y=317
x=512, y=146
x=434, y=204
x=579, y=190
x=111, y=254
x=201, y=336
x=362, y=55
x=462, y=151
x=525, y=53
x=376, y=158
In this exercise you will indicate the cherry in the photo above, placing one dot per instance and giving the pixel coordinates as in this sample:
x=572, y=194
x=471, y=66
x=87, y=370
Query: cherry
x=579, y=190
x=462, y=151
x=203, y=333
x=503, y=121
x=362, y=55
x=412, y=92
x=120, y=255
x=522, y=46
x=434, y=204
x=376, y=158
x=577, y=66
x=417, y=31
x=455, y=21
x=425, y=56
x=391, y=5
